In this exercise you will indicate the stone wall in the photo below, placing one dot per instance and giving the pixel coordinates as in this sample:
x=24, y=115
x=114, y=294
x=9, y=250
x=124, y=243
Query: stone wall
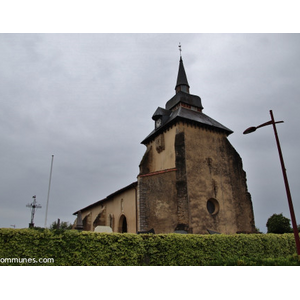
x=112, y=211
x=157, y=201
x=203, y=189
x=218, y=195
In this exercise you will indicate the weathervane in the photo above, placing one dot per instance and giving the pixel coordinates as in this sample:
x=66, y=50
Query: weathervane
x=180, y=49
x=33, y=206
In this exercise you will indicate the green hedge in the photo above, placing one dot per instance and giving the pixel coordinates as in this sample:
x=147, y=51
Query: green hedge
x=72, y=248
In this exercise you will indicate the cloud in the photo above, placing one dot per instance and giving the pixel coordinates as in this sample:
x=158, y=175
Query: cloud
x=89, y=98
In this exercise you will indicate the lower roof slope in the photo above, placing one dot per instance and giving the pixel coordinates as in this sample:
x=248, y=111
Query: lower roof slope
x=185, y=114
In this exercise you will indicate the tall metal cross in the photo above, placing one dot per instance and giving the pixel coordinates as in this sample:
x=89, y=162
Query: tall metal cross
x=33, y=206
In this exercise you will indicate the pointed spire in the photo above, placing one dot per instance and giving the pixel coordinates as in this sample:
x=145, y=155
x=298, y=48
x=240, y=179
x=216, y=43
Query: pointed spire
x=182, y=83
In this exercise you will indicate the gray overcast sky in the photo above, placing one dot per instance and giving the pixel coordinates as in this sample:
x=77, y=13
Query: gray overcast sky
x=88, y=100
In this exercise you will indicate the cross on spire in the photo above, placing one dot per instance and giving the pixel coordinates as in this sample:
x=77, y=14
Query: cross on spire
x=179, y=46
x=182, y=83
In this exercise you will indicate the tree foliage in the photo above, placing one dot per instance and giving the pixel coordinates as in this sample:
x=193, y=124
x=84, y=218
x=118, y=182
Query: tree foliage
x=61, y=225
x=277, y=223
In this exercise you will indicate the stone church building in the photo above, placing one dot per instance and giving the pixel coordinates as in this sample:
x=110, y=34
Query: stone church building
x=191, y=178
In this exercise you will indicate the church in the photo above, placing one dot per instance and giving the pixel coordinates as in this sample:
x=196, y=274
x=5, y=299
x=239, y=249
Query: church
x=191, y=179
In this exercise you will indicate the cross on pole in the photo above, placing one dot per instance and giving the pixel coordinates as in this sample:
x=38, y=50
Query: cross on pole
x=33, y=206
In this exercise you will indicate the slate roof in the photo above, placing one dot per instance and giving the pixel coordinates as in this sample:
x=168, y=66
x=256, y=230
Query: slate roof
x=184, y=98
x=181, y=77
x=185, y=114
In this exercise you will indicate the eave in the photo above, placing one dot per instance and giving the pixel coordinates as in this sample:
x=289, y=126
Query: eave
x=189, y=116
x=128, y=187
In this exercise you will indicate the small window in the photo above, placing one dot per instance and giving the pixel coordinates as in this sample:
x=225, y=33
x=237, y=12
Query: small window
x=212, y=206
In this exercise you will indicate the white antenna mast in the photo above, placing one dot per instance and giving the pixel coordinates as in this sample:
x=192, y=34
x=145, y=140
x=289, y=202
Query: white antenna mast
x=49, y=191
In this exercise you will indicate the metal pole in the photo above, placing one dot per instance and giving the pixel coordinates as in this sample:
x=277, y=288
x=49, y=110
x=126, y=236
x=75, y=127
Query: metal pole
x=49, y=191
x=287, y=188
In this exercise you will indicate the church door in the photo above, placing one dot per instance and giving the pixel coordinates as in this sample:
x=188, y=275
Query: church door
x=123, y=224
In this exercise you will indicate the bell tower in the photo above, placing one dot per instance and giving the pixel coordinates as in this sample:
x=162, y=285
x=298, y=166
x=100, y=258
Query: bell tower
x=191, y=178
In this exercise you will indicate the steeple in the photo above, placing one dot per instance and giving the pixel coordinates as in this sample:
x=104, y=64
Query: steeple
x=182, y=83
x=183, y=106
